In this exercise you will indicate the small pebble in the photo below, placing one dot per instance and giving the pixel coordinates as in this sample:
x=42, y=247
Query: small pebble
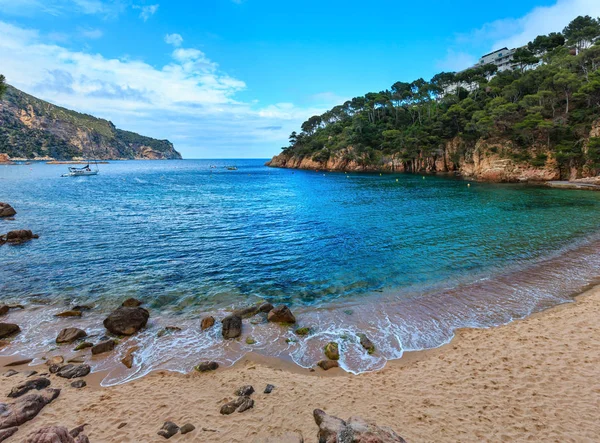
x=269, y=389
x=188, y=427
x=79, y=384
x=122, y=425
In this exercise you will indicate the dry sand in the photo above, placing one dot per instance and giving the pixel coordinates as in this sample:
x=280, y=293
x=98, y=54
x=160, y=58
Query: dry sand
x=532, y=380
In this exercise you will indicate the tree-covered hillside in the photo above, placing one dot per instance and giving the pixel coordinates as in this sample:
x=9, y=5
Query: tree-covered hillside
x=543, y=109
x=33, y=128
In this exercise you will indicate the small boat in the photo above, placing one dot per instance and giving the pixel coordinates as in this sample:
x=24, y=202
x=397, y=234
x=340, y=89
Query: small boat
x=81, y=172
x=231, y=168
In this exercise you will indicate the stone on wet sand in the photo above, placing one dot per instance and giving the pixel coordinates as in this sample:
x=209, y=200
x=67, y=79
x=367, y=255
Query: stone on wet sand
x=129, y=358
x=269, y=389
x=19, y=362
x=70, y=313
x=281, y=314
x=168, y=430
x=7, y=210
x=328, y=364
x=207, y=366
x=332, y=351
x=30, y=373
x=78, y=384
x=188, y=427
x=232, y=326
x=8, y=329
x=84, y=345
x=126, y=320
x=25, y=408
x=55, y=360
x=131, y=303
x=69, y=335
x=207, y=322
x=21, y=389
x=4, y=310
x=57, y=434
x=246, y=390
x=72, y=371
x=168, y=330
x=105, y=346
x=355, y=430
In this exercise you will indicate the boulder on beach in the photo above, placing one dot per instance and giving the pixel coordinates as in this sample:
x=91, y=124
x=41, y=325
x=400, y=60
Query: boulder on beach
x=105, y=346
x=57, y=434
x=207, y=322
x=168, y=430
x=355, y=430
x=26, y=407
x=126, y=321
x=326, y=365
x=281, y=314
x=72, y=371
x=7, y=210
x=188, y=427
x=232, y=326
x=69, y=335
x=8, y=329
x=21, y=389
x=332, y=351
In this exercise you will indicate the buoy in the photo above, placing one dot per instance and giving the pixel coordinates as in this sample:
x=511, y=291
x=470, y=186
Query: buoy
x=468, y=185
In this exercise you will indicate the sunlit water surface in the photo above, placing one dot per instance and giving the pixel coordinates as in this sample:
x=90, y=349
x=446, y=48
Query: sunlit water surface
x=404, y=258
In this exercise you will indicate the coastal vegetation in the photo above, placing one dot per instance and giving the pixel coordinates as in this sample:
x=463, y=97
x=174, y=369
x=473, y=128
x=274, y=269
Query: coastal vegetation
x=32, y=128
x=539, y=114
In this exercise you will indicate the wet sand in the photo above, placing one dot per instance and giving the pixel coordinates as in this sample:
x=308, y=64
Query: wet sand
x=536, y=379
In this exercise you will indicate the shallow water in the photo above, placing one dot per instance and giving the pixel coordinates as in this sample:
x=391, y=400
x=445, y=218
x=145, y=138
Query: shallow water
x=406, y=261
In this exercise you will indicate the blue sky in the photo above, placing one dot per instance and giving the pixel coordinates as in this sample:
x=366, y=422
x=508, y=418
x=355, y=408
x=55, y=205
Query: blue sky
x=232, y=78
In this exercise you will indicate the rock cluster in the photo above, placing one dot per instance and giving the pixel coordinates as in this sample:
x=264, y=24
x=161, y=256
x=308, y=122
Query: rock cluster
x=58, y=434
x=25, y=408
x=17, y=237
x=355, y=430
x=21, y=389
x=169, y=429
x=240, y=404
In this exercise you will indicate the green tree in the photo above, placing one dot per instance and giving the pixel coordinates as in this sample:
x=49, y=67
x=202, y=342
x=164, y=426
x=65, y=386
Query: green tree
x=524, y=58
x=582, y=31
x=2, y=85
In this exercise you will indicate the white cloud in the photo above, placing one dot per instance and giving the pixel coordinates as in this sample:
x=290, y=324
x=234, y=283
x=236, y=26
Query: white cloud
x=188, y=98
x=27, y=8
x=174, y=39
x=91, y=33
x=456, y=61
x=147, y=11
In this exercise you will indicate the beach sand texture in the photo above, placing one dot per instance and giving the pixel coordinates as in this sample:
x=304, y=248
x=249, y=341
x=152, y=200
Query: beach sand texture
x=532, y=380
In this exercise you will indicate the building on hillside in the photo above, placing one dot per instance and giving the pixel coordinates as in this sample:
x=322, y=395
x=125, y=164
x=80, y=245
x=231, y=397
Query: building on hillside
x=500, y=57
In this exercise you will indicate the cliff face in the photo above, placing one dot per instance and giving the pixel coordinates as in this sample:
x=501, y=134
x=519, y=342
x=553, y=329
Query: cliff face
x=34, y=129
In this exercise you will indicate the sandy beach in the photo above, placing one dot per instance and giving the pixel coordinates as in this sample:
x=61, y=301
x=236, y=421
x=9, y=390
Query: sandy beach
x=531, y=380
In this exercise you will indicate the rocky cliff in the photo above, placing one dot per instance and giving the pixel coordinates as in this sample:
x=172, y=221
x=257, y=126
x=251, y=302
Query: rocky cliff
x=485, y=160
x=34, y=129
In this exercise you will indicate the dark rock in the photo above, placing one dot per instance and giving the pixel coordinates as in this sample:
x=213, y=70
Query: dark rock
x=79, y=384
x=30, y=373
x=302, y=331
x=126, y=320
x=82, y=308
x=131, y=303
x=188, y=427
x=17, y=237
x=4, y=310
x=71, y=313
x=10, y=373
x=19, y=362
x=328, y=364
x=207, y=322
x=355, y=430
x=332, y=351
x=128, y=359
x=207, y=366
x=8, y=329
x=57, y=434
x=232, y=326
x=7, y=210
x=6, y=433
x=122, y=425
x=25, y=408
x=237, y=404
x=77, y=431
x=37, y=383
x=84, y=345
x=246, y=312
x=69, y=335
x=72, y=371
x=168, y=430
x=265, y=307
x=281, y=314
x=53, y=369
x=269, y=389
x=366, y=343
x=247, y=403
x=246, y=390
x=103, y=347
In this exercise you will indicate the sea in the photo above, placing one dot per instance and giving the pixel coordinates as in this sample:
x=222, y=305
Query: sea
x=405, y=259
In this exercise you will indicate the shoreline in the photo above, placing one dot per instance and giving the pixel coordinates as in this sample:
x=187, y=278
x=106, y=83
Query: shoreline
x=504, y=382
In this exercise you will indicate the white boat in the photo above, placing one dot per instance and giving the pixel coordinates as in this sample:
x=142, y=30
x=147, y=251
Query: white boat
x=81, y=172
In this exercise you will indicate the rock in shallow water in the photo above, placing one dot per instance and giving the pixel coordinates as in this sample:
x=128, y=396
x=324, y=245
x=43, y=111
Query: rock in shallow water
x=207, y=322
x=326, y=365
x=8, y=329
x=126, y=321
x=332, y=351
x=18, y=237
x=366, y=343
x=69, y=335
x=131, y=303
x=7, y=210
x=281, y=314
x=71, y=313
x=232, y=326
x=103, y=347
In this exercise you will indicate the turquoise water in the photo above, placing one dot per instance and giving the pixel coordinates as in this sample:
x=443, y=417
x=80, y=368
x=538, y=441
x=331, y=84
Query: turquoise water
x=191, y=239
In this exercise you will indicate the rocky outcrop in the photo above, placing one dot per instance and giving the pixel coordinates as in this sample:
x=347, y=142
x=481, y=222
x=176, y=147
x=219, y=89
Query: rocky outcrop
x=25, y=408
x=17, y=237
x=72, y=371
x=57, y=434
x=6, y=210
x=281, y=314
x=126, y=321
x=355, y=430
x=37, y=383
x=31, y=128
